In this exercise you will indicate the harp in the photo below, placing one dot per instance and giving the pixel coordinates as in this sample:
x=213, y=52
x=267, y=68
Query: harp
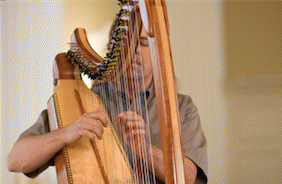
x=94, y=162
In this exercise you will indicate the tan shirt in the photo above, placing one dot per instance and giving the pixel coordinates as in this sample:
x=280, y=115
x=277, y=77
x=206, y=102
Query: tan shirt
x=193, y=139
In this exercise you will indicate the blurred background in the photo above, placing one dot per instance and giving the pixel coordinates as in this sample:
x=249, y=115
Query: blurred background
x=227, y=56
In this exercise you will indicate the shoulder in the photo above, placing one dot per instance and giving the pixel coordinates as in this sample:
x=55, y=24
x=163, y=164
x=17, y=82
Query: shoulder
x=187, y=108
x=41, y=126
x=183, y=99
x=43, y=122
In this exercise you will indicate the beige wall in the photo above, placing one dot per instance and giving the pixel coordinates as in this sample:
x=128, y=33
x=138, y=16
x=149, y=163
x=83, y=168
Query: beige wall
x=196, y=33
x=253, y=90
x=1, y=4
x=253, y=43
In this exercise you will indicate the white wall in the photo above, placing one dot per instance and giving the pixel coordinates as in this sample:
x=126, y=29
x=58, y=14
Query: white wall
x=31, y=38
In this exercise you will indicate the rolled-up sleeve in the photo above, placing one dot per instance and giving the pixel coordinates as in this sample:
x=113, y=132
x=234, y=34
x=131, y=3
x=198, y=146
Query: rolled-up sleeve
x=193, y=138
x=41, y=126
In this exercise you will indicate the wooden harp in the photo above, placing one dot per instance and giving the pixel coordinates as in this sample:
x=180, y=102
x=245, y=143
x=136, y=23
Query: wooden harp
x=85, y=161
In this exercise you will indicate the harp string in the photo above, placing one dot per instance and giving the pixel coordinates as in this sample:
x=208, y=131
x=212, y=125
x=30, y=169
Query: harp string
x=135, y=80
x=138, y=87
x=127, y=93
x=132, y=83
x=130, y=90
x=140, y=107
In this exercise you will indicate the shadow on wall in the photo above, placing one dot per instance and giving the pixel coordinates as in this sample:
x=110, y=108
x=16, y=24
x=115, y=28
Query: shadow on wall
x=253, y=95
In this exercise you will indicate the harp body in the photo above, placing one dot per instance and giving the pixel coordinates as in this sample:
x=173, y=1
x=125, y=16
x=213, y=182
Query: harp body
x=77, y=163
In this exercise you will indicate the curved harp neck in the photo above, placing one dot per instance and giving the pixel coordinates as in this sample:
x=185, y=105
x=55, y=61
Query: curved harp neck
x=80, y=40
x=64, y=68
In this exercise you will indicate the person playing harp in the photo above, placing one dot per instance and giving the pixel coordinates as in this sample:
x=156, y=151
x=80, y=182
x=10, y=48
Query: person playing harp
x=135, y=119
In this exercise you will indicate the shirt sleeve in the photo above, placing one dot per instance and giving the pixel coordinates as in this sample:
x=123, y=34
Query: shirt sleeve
x=193, y=139
x=41, y=126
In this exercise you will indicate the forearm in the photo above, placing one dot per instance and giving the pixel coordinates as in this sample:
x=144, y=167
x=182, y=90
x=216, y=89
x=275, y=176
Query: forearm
x=190, y=169
x=32, y=152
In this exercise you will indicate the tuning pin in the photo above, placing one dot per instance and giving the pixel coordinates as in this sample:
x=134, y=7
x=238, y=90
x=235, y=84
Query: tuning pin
x=115, y=59
x=102, y=70
x=69, y=54
x=121, y=33
x=118, y=32
x=106, y=60
x=118, y=22
x=112, y=64
x=117, y=39
x=111, y=68
x=111, y=46
x=93, y=77
x=75, y=61
x=107, y=73
x=122, y=24
x=123, y=1
x=103, y=78
x=112, y=40
x=79, y=66
x=116, y=47
x=109, y=56
x=71, y=43
x=115, y=54
x=123, y=13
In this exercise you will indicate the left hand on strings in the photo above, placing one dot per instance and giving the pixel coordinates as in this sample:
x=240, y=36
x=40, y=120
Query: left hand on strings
x=134, y=130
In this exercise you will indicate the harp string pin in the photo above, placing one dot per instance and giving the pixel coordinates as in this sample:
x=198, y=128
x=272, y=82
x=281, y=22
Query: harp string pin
x=112, y=64
x=123, y=1
x=113, y=60
x=115, y=54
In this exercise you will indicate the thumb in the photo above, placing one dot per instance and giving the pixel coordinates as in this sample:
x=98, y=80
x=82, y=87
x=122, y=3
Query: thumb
x=100, y=109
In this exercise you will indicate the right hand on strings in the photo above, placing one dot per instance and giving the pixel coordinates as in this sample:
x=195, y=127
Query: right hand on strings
x=90, y=124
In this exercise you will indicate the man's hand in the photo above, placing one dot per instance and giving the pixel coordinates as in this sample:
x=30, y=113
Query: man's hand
x=32, y=152
x=89, y=124
x=134, y=131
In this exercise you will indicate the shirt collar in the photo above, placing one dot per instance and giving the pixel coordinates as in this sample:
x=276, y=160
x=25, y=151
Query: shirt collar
x=150, y=93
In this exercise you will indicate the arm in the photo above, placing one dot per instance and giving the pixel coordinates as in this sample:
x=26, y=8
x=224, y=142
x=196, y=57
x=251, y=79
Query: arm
x=190, y=169
x=32, y=152
x=134, y=134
